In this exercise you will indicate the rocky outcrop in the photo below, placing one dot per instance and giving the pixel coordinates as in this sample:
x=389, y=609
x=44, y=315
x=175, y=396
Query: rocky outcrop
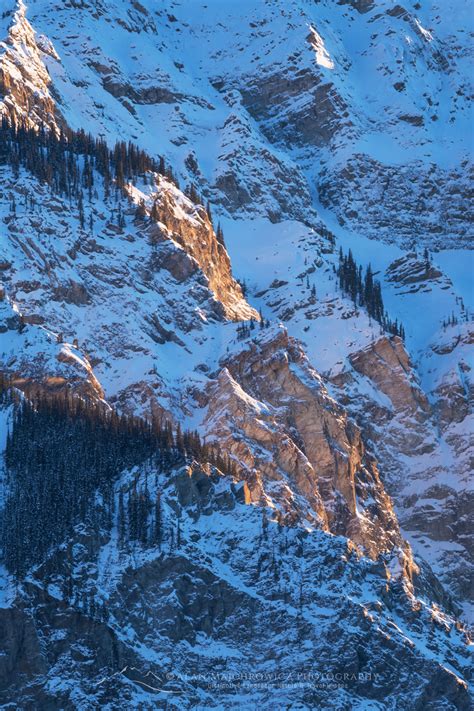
x=251, y=179
x=190, y=227
x=314, y=121
x=124, y=290
x=42, y=636
x=72, y=293
x=387, y=364
x=453, y=392
x=415, y=439
x=295, y=446
x=39, y=362
x=412, y=274
x=25, y=84
x=377, y=200
x=361, y=6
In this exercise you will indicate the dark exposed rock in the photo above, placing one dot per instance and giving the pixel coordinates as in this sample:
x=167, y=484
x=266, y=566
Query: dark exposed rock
x=72, y=293
x=387, y=208
x=181, y=615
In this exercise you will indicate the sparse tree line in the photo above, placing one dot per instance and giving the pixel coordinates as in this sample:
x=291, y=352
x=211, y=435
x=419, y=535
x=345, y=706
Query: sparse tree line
x=245, y=328
x=71, y=162
x=452, y=319
x=67, y=162
x=365, y=291
x=63, y=456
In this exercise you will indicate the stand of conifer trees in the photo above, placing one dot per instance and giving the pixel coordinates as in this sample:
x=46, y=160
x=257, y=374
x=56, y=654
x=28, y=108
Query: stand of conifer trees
x=63, y=456
x=365, y=291
x=66, y=162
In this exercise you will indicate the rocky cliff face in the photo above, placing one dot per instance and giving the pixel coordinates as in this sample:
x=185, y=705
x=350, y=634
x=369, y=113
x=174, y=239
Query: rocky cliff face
x=385, y=206
x=305, y=113
x=181, y=620
x=74, y=281
x=403, y=426
x=25, y=83
x=189, y=225
x=35, y=361
x=296, y=446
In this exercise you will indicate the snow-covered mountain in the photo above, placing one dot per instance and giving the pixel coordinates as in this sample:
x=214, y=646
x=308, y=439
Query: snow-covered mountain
x=211, y=295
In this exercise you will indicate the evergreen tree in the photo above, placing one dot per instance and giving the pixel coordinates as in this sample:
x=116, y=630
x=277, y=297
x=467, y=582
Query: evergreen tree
x=157, y=523
x=365, y=291
x=140, y=211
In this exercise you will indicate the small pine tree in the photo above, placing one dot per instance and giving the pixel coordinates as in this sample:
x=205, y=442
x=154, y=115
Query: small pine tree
x=140, y=212
x=157, y=523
